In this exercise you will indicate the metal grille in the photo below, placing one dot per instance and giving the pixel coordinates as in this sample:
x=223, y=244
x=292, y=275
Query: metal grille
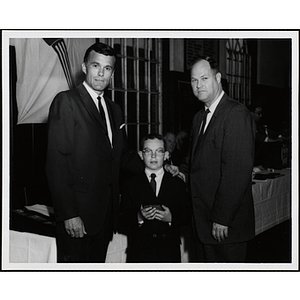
x=137, y=85
x=238, y=70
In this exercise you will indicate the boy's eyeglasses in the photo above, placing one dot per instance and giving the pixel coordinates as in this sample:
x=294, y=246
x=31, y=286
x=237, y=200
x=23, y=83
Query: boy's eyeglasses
x=158, y=152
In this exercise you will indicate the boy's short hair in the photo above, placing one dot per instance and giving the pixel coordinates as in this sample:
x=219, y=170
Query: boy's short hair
x=152, y=136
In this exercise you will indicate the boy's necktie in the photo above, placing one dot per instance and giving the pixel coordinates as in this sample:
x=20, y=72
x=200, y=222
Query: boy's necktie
x=153, y=182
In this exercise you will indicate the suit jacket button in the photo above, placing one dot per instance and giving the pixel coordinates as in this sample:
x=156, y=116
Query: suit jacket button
x=154, y=235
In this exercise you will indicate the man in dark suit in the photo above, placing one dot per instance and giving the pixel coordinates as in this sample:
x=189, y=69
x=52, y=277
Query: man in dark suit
x=86, y=146
x=219, y=168
x=152, y=215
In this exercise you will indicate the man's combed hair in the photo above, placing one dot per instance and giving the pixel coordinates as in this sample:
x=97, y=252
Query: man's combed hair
x=100, y=48
x=213, y=64
x=152, y=136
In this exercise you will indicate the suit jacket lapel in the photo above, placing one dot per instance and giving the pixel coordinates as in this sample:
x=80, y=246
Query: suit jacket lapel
x=149, y=197
x=196, y=133
x=90, y=105
x=111, y=117
x=218, y=110
x=164, y=182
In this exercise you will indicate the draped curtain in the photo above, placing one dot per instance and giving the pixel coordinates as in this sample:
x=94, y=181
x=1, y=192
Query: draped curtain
x=45, y=67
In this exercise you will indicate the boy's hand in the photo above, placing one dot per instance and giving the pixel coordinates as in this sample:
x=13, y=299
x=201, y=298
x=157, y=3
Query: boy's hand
x=164, y=215
x=148, y=212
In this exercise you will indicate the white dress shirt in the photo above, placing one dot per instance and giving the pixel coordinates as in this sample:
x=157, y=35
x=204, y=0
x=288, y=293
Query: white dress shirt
x=159, y=176
x=95, y=96
x=212, y=109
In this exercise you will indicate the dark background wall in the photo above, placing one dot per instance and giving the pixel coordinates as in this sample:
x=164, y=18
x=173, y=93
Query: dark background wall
x=273, y=59
x=271, y=88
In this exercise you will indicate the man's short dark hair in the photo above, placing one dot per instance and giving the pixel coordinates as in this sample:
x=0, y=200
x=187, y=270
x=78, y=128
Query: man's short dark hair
x=100, y=48
x=152, y=136
x=213, y=64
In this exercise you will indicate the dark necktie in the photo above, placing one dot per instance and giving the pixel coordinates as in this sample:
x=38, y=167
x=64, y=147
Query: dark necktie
x=101, y=110
x=153, y=182
x=203, y=123
x=202, y=129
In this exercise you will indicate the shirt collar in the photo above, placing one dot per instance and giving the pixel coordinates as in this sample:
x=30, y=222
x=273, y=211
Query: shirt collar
x=157, y=172
x=92, y=93
x=213, y=107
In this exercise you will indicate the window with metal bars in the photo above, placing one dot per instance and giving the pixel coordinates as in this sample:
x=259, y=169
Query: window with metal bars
x=238, y=70
x=137, y=86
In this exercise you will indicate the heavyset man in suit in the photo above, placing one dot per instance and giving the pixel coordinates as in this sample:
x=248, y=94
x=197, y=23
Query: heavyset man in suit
x=86, y=147
x=219, y=169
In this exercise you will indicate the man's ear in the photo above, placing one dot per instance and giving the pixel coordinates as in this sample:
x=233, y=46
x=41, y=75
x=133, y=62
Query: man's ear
x=83, y=68
x=140, y=153
x=111, y=76
x=218, y=77
x=166, y=155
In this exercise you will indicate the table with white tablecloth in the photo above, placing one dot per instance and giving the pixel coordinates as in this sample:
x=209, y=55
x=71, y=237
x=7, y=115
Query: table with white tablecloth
x=28, y=247
x=272, y=201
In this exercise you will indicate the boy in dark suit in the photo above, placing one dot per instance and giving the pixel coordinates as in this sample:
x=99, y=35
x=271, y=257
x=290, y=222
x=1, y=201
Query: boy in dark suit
x=154, y=205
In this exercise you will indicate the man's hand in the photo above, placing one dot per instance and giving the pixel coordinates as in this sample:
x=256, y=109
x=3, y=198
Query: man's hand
x=165, y=215
x=174, y=170
x=182, y=177
x=219, y=232
x=75, y=227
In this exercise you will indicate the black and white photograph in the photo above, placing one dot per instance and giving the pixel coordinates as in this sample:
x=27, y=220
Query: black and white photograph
x=162, y=150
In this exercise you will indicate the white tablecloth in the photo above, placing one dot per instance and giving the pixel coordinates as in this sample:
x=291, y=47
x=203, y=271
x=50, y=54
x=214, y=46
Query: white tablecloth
x=272, y=201
x=31, y=248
